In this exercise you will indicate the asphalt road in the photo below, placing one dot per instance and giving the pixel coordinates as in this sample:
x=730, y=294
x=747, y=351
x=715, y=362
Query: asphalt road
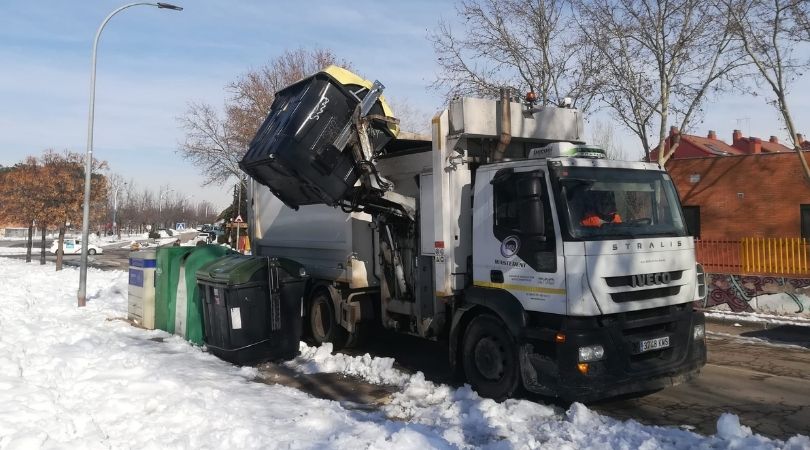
x=768, y=386
x=114, y=257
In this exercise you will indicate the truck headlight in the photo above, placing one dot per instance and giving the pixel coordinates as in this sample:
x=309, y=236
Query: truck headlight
x=591, y=353
x=699, y=332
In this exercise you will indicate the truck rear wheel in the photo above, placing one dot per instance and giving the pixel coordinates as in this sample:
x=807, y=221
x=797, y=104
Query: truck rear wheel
x=323, y=322
x=490, y=358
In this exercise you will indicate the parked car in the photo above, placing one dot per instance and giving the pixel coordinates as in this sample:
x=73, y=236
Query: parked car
x=204, y=238
x=74, y=247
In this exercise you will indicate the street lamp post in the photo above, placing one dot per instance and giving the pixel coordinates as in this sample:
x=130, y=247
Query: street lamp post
x=88, y=159
x=160, y=206
x=186, y=198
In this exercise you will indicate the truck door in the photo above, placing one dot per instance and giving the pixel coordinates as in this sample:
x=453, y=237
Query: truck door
x=517, y=243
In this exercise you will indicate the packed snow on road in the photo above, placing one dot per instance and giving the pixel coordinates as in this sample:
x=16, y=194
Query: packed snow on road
x=85, y=378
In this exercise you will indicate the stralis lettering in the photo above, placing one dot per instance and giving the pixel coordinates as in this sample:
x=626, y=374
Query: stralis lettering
x=651, y=245
x=501, y=262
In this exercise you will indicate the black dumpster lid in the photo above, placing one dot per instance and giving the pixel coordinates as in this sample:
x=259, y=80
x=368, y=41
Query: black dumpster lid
x=232, y=269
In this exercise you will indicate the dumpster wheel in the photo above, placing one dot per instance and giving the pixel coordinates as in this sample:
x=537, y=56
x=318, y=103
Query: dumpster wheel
x=323, y=322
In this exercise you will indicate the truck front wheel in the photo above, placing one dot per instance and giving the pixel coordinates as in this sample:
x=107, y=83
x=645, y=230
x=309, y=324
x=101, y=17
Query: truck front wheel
x=323, y=322
x=490, y=358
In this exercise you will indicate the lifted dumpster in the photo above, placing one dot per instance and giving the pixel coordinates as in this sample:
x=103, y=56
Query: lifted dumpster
x=304, y=149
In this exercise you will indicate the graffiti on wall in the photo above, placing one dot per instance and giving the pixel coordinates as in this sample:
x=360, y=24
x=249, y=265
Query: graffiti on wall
x=774, y=295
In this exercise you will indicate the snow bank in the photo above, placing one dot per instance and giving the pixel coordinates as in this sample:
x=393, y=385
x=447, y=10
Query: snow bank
x=465, y=420
x=84, y=378
x=753, y=340
x=757, y=317
x=10, y=251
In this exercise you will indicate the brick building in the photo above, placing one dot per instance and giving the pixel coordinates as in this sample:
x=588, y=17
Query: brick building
x=743, y=195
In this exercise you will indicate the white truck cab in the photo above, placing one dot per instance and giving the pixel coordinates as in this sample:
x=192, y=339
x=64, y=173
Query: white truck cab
x=597, y=254
x=541, y=263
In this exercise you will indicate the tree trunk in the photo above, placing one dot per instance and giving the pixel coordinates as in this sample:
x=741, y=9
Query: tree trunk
x=30, y=242
x=792, y=130
x=60, y=249
x=42, y=249
x=673, y=147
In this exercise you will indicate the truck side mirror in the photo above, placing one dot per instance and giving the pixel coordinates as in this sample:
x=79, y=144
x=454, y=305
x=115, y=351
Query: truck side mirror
x=532, y=217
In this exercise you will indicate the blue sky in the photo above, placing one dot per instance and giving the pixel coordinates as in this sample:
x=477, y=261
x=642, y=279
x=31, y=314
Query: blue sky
x=153, y=62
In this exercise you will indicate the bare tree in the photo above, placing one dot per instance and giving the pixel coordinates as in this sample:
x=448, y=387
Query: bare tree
x=215, y=142
x=523, y=44
x=411, y=118
x=660, y=59
x=602, y=135
x=211, y=144
x=770, y=33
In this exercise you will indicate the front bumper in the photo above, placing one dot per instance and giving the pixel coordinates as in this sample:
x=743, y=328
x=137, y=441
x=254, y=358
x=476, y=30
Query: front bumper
x=550, y=368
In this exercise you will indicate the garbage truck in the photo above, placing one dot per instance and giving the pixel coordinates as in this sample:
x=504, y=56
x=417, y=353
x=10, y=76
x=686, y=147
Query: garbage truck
x=542, y=264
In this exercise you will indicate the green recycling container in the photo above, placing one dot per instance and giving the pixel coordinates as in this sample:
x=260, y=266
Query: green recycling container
x=167, y=278
x=252, y=307
x=193, y=328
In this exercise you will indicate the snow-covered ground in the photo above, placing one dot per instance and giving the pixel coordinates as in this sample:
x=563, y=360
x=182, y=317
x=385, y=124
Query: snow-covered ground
x=753, y=340
x=754, y=317
x=84, y=378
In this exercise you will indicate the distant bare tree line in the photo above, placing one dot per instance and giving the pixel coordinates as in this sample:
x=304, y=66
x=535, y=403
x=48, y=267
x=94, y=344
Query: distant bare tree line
x=136, y=207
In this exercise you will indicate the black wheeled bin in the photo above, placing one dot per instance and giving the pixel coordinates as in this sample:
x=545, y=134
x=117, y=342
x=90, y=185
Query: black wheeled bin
x=252, y=308
x=293, y=153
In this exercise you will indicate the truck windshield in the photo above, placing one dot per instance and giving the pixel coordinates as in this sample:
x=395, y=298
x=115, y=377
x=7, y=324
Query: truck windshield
x=610, y=203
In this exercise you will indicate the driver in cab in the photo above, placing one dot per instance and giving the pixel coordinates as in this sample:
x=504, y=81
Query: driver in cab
x=599, y=210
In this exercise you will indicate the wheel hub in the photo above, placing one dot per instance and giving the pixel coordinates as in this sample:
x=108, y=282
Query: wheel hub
x=489, y=358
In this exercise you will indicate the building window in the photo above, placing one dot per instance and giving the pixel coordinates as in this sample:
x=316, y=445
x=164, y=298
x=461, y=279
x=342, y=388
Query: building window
x=804, y=214
x=692, y=216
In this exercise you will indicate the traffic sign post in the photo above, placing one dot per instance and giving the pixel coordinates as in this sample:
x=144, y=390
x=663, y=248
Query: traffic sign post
x=239, y=222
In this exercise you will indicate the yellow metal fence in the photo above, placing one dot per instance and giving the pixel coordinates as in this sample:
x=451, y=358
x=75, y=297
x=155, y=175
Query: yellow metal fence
x=755, y=255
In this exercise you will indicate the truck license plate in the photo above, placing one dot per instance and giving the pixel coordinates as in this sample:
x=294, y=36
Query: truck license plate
x=653, y=344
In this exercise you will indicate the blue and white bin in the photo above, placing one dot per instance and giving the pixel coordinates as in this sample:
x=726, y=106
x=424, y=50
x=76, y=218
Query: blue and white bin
x=141, y=309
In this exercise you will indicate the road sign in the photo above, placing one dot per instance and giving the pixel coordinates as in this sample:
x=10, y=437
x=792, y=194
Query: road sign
x=238, y=219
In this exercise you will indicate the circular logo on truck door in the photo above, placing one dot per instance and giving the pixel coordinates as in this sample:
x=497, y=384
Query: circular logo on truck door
x=510, y=246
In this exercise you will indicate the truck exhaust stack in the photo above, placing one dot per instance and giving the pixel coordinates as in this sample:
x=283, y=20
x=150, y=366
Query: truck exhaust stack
x=504, y=126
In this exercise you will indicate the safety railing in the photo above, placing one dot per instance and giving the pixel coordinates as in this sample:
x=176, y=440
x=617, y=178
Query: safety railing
x=755, y=256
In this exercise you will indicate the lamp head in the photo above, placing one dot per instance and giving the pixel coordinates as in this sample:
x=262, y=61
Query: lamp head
x=169, y=6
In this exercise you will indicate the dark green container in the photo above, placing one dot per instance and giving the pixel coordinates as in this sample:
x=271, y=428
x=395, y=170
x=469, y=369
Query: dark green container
x=167, y=276
x=198, y=258
x=252, y=308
